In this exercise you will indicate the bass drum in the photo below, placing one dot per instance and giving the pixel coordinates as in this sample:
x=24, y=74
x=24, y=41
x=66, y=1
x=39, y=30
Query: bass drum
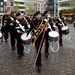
x=53, y=36
x=26, y=39
x=65, y=30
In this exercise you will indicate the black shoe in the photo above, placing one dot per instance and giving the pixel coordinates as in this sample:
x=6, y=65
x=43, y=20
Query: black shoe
x=19, y=56
x=6, y=41
x=46, y=55
x=61, y=44
x=22, y=54
x=12, y=48
x=39, y=69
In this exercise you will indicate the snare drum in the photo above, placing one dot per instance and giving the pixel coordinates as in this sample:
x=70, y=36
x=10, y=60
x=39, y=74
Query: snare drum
x=53, y=36
x=0, y=35
x=26, y=39
x=65, y=30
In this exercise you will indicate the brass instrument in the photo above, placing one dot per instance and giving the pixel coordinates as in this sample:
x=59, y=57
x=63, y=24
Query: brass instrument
x=39, y=30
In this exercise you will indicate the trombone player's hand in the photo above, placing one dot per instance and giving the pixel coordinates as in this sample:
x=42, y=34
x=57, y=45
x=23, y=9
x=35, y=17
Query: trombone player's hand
x=34, y=37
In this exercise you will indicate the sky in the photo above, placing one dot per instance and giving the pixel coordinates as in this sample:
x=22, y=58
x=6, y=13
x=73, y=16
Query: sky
x=5, y=0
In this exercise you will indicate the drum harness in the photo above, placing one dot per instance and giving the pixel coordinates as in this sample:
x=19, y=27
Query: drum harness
x=18, y=23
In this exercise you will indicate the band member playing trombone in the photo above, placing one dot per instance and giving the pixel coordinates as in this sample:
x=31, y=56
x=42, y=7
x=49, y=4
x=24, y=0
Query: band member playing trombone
x=35, y=23
x=59, y=25
x=46, y=15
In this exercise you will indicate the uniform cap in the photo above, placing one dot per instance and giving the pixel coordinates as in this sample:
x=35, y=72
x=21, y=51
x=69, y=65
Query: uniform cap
x=45, y=12
x=36, y=13
x=18, y=14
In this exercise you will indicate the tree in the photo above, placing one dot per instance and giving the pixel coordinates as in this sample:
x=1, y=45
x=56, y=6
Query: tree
x=15, y=8
x=30, y=9
x=71, y=6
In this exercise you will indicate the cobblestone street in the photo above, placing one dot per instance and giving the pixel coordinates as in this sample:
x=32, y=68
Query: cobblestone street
x=58, y=63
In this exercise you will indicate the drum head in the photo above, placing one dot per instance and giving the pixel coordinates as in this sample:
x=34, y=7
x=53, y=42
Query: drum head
x=0, y=34
x=25, y=37
x=65, y=28
x=53, y=34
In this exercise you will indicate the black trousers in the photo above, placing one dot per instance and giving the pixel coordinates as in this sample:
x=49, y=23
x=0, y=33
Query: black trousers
x=20, y=46
x=46, y=42
x=12, y=38
x=5, y=32
x=60, y=36
x=37, y=44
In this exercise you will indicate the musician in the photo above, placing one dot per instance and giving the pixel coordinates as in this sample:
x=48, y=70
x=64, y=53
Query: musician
x=11, y=29
x=36, y=21
x=46, y=15
x=59, y=25
x=19, y=31
x=26, y=20
x=4, y=28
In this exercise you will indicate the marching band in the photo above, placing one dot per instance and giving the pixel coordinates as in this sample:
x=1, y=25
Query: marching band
x=37, y=30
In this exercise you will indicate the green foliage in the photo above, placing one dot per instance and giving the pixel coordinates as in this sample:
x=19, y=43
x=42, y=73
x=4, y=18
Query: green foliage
x=71, y=7
x=30, y=10
x=15, y=8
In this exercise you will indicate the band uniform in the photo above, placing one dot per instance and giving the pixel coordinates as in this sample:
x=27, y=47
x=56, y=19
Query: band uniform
x=36, y=21
x=46, y=15
x=4, y=27
x=59, y=25
x=11, y=29
x=18, y=33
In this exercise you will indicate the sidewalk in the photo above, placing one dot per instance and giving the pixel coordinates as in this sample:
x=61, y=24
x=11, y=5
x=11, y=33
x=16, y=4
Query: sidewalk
x=58, y=63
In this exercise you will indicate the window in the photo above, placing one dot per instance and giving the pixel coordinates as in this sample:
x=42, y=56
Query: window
x=1, y=8
x=11, y=4
x=5, y=3
x=1, y=3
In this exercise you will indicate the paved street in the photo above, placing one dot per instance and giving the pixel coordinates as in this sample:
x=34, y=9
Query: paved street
x=58, y=63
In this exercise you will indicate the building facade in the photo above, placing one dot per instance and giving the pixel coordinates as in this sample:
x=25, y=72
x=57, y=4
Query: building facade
x=40, y=5
x=55, y=6
x=52, y=6
x=28, y=6
x=1, y=6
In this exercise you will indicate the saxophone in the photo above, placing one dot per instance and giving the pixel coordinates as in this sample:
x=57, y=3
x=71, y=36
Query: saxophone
x=39, y=30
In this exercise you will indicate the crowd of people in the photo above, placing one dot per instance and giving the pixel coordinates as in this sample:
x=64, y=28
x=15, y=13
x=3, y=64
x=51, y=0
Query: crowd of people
x=18, y=24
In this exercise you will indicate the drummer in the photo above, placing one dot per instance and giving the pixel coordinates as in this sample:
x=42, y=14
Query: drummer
x=19, y=31
x=47, y=16
x=59, y=25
